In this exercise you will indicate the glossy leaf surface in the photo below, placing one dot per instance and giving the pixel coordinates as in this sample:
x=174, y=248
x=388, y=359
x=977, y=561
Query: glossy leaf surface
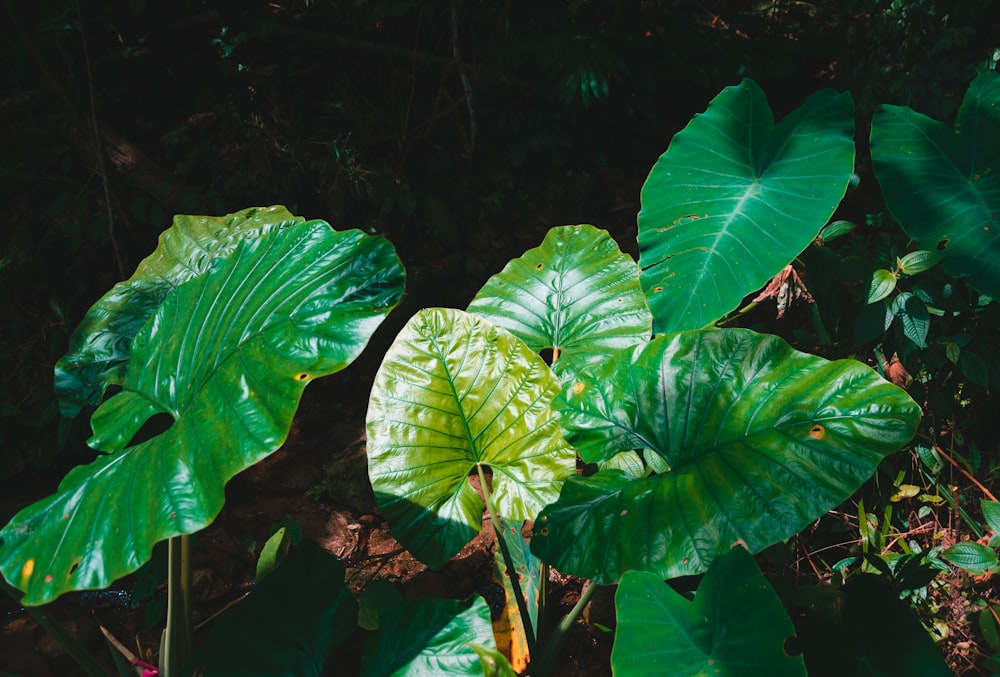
x=735, y=625
x=943, y=184
x=455, y=392
x=429, y=637
x=735, y=198
x=577, y=294
x=289, y=624
x=754, y=439
x=99, y=347
x=227, y=356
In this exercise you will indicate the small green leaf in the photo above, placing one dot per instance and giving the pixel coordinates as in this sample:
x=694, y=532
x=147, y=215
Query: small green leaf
x=273, y=553
x=988, y=628
x=836, y=229
x=974, y=367
x=735, y=625
x=913, y=315
x=952, y=352
x=930, y=458
x=882, y=284
x=970, y=556
x=918, y=261
x=991, y=513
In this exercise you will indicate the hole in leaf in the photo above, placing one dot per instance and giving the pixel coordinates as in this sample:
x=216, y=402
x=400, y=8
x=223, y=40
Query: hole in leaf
x=74, y=567
x=657, y=289
x=544, y=531
x=817, y=432
x=547, y=355
x=539, y=266
x=942, y=244
x=791, y=646
x=301, y=377
x=157, y=424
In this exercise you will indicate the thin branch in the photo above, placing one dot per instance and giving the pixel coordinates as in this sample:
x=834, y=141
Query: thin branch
x=965, y=472
x=99, y=146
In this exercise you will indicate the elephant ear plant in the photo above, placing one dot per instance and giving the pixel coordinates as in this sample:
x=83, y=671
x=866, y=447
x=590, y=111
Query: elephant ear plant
x=220, y=329
x=695, y=441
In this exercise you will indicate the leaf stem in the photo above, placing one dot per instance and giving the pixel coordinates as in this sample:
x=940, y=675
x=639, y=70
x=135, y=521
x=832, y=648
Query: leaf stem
x=544, y=665
x=522, y=605
x=175, y=647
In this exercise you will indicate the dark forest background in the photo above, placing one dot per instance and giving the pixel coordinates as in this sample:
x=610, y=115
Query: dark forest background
x=462, y=129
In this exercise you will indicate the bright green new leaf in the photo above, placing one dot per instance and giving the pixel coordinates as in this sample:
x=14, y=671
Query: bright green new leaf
x=943, y=184
x=832, y=231
x=227, y=356
x=882, y=284
x=99, y=348
x=755, y=439
x=735, y=198
x=971, y=556
x=577, y=294
x=918, y=262
x=735, y=625
x=429, y=637
x=289, y=624
x=273, y=553
x=455, y=393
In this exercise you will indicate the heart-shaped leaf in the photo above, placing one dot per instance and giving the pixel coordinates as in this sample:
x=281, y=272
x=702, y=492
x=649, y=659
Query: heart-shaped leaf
x=577, y=295
x=99, y=347
x=735, y=198
x=735, y=624
x=454, y=393
x=430, y=637
x=227, y=356
x=755, y=441
x=943, y=184
x=289, y=624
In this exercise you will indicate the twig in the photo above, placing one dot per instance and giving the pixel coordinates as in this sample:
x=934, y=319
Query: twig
x=99, y=148
x=463, y=76
x=965, y=472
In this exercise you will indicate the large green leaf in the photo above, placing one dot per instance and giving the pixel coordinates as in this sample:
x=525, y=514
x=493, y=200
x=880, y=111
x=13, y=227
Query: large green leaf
x=430, y=637
x=577, y=294
x=735, y=198
x=227, y=356
x=735, y=625
x=755, y=441
x=98, y=350
x=287, y=626
x=943, y=184
x=455, y=392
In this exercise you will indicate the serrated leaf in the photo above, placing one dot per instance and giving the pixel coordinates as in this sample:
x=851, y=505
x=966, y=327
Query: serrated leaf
x=577, y=294
x=735, y=198
x=971, y=556
x=882, y=284
x=943, y=184
x=227, y=356
x=913, y=316
x=99, y=347
x=758, y=440
x=455, y=392
x=735, y=625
